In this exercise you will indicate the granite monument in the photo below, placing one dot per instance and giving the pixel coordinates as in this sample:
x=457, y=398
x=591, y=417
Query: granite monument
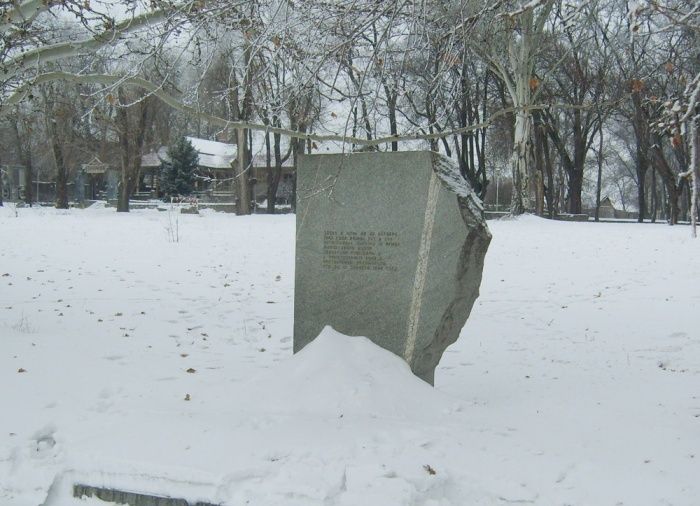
x=390, y=246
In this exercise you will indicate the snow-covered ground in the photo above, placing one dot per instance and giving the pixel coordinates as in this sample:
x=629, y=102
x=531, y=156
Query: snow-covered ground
x=576, y=380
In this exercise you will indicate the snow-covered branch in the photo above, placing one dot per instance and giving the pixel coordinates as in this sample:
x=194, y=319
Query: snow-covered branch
x=22, y=13
x=110, y=35
x=114, y=81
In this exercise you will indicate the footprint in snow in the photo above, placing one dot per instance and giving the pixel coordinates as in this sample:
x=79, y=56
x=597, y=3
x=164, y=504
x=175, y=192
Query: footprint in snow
x=43, y=440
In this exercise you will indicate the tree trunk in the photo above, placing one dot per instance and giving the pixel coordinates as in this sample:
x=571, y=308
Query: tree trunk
x=654, y=202
x=59, y=161
x=599, y=182
x=274, y=176
x=575, y=189
x=271, y=195
x=25, y=155
x=393, y=123
x=550, y=191
x=641, y=132
x=522, y=85
x=123, y=190
x=243, y=111
x=242, y=174
x=673, y=209
x=297, y=149
x=126, y=183
x=684, y=199
x=520, y=162
x=123, y=196
x=28, y=188
x=665, y=204
x=577, y=165
x=539, y=165
x=641, y=195
x=61, y=175
x=694, y=174
x=134, y=122
x=669, y=179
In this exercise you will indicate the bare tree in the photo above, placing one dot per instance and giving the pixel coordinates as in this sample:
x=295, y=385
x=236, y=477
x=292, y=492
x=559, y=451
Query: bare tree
x=134, y=117
x=371, y=75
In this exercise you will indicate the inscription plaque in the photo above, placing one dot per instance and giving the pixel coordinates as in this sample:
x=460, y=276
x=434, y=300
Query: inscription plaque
x=358, y=250
x=389, y=246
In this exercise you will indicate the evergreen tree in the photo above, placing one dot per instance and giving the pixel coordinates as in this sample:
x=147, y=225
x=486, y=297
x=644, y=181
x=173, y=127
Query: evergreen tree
x=177, y=175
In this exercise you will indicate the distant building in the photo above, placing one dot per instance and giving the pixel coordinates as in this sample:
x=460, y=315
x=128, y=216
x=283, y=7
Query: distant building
x=215, y=172
x=607, y=210
x=286, y=185
x=101, y=179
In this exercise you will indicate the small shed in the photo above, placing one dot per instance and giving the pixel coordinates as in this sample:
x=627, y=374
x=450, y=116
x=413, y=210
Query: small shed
x=100, y=179
x=606, y=209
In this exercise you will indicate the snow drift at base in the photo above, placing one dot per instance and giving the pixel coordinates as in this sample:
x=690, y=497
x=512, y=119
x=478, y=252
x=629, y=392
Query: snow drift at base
x=342, y=421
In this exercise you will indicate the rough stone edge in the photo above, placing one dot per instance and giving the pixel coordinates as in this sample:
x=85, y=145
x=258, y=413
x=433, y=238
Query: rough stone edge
x=452, y=179
x=469, y=269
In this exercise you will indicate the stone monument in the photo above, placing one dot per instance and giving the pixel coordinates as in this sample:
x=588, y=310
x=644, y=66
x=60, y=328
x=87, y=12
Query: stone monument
x=389, y=246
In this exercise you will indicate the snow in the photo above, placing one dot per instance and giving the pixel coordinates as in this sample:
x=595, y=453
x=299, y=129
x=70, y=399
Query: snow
x=576, y=380
x=212, y=154
x=155, y=158
x=216, y=155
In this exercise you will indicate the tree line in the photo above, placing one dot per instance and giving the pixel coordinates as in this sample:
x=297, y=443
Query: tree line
x=566, y=102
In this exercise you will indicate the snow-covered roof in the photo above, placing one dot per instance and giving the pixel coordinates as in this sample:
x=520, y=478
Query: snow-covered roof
x=260, y=160
x=212, y=154
x=154, y=158
x=606, y=201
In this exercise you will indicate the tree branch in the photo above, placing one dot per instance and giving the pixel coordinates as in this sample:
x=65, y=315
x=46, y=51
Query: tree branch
x=173, y=101
x=62, y=50
x=23, y=12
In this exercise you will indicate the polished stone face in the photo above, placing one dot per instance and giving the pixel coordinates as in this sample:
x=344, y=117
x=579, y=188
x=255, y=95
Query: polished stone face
x=388, y=246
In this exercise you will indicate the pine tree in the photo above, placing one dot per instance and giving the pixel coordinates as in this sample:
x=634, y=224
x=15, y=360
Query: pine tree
x=177, y=175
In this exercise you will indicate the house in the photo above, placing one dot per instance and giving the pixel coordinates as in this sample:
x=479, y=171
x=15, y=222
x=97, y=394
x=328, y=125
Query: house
x=215, y=173
x=101, y=179
x=260, y=173
x=607, y=210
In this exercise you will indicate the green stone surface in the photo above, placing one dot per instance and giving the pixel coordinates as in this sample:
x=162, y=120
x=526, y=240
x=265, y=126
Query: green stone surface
x=389, y=246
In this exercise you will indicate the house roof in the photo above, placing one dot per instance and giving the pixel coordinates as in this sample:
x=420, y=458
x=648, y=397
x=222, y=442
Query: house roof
x=155, y=158
x=95, y=166
x=212, y=154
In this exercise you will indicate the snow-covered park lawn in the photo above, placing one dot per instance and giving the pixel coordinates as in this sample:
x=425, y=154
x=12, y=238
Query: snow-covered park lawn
x=135, y=362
